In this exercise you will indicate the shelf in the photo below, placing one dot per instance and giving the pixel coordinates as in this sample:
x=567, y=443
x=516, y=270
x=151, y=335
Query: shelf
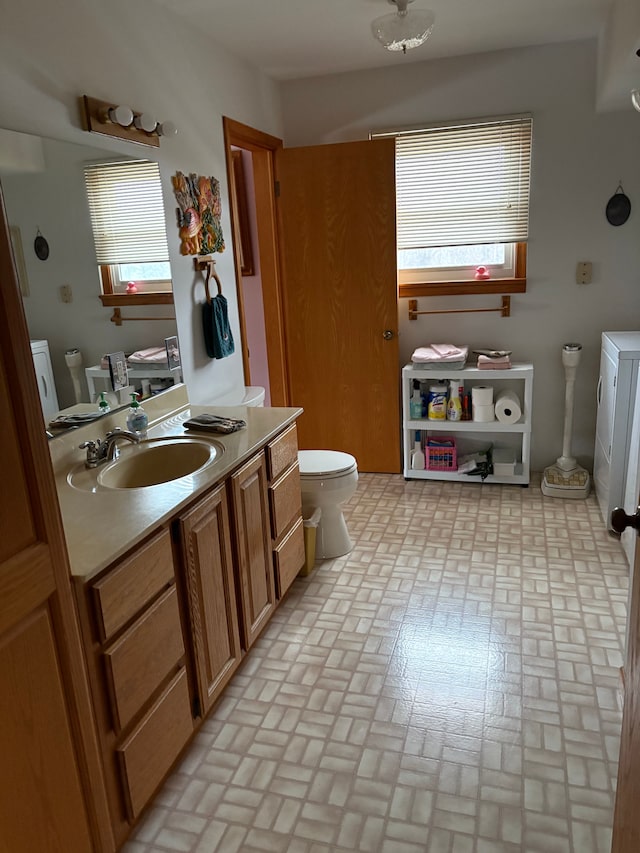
x=519, y=478
x=519, y=377
x=466, y=426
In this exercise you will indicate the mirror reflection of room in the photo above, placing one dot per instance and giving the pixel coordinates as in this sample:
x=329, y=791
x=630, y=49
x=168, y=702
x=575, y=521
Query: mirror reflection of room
x=78, y=299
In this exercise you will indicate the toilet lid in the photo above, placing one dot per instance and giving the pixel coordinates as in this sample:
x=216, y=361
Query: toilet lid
x=324, y=463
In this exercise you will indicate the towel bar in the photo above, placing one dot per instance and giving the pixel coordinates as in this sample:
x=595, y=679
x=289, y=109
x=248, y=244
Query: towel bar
x=118, y=319
x=505, y=309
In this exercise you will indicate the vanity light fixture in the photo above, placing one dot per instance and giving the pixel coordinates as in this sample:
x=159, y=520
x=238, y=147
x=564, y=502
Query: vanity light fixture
x=124, y=123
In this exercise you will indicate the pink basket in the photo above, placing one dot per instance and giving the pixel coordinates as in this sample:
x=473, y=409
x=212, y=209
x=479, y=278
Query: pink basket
x=441, y=456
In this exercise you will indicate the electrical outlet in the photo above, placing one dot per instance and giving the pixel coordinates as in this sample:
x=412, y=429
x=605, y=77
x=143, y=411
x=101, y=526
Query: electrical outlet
x=65, y=293
x=584, y=271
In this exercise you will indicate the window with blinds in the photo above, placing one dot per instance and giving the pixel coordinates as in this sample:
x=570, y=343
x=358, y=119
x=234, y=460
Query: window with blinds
x=129, y=231
x=462, y=194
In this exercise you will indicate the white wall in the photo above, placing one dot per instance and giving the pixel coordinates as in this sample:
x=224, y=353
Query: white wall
x=139, y=54
x=578, y=159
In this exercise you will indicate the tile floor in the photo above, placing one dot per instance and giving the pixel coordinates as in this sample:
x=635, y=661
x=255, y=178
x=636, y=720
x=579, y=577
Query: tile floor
x=450, y=686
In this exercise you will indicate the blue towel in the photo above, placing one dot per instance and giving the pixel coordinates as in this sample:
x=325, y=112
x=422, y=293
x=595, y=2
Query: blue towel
x=218, y=339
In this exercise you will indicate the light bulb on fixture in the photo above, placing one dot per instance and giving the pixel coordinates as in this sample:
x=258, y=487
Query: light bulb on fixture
x=166, y=128
x=121, y=115
x=403, y=30
x=146, y=122
x=635, y=99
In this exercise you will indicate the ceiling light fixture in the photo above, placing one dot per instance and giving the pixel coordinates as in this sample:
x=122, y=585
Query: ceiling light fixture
x=403, y=30
x=635, y=99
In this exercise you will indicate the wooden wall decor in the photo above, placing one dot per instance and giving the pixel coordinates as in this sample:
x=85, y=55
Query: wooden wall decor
x=198, y=214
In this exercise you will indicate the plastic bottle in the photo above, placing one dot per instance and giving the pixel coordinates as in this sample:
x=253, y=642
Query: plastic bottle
x=437, y=407
x=415, y=404
x=454, y=406
x=103, y=405
x=417, y=454
x=137, y=420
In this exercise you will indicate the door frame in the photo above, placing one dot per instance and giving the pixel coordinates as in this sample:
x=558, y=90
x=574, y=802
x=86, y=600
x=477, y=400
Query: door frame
x=262, y=147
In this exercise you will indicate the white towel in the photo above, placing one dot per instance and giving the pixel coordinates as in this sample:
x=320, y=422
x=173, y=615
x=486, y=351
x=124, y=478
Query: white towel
x=439, y=353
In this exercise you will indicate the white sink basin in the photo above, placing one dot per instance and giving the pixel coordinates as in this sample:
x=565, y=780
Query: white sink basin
x=150, y=463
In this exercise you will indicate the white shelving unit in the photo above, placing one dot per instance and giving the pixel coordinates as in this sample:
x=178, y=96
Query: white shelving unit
x=471, y=435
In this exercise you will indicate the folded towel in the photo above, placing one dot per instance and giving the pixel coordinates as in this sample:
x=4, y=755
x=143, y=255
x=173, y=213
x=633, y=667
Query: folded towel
x=441, y=353
x=494, y=364
x=80, y=418
x=214, y=423
x=490, y=359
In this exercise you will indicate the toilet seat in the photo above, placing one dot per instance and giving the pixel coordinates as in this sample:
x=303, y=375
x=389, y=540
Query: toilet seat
x=325, y=464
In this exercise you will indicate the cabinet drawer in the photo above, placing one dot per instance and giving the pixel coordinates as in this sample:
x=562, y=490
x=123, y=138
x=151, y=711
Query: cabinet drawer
x=285, y=501
x=148, y=753
x=282, y=452
x=127, y=589
x=288, y=558
x=137, y=662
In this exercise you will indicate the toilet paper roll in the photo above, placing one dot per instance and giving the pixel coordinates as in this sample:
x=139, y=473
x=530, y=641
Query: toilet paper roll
x=483, y=414
x=508, y=407
x=482, y=395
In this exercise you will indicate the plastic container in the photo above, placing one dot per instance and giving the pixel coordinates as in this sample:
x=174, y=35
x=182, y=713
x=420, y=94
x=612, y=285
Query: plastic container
x=417, y=454
x=310, y=526
x=440, y=454
x=415, y=404
x=437, y=405
x=137, y=420
x=454, y=406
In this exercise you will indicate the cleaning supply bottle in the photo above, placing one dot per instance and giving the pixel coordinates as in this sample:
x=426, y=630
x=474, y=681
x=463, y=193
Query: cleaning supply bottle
x=103, y=405
x=415, y=404
x=137, y=420
x=437, y=406
x=454, y=406
x=417, y=454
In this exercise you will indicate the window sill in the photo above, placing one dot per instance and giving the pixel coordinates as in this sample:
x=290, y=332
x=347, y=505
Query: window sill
x=462, y=288
x=112, y=300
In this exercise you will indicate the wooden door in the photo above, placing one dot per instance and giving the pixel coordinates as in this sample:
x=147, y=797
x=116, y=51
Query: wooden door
x=626, y=821
x=206, y=549
x=337, y=225
x=50, y=761
x=256, y=584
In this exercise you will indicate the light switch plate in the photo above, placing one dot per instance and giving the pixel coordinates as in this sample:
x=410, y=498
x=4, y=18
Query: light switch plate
x=584, y=271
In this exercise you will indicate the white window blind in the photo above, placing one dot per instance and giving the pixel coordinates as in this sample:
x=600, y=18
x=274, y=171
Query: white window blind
x=127, y=215
x=464, y=184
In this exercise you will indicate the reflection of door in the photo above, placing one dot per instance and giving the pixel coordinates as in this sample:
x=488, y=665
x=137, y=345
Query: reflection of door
x=336, y=212
x=626, y=821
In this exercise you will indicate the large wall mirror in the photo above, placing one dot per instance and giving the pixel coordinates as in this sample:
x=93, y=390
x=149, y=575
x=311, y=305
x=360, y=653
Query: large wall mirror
x=45, y=195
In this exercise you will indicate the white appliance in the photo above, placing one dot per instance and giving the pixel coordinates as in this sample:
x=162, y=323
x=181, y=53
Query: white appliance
x=44, y=376
x=616, y=397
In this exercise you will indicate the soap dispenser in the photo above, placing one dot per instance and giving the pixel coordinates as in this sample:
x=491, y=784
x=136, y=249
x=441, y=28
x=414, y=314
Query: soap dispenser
x=103, y=405
x=137, y=420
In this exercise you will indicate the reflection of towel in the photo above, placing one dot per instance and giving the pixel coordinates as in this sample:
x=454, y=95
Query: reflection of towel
x=153, y=355
x=218, y=340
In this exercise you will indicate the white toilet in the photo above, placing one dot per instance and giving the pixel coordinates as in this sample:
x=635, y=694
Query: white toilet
x=327, y=479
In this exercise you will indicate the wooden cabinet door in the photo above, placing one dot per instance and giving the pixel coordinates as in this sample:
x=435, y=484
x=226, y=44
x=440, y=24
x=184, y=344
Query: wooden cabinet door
x=206, y=549
x=45, y=715
x=253, y=547
x=337, y=226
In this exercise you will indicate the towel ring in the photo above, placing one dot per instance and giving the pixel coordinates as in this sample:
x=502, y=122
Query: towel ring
x=208, y=264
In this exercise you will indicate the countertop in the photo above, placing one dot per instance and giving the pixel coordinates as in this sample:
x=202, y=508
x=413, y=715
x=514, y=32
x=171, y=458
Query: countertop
x=102, y=524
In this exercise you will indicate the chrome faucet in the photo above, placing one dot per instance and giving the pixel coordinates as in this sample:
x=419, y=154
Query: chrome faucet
x=107, y=450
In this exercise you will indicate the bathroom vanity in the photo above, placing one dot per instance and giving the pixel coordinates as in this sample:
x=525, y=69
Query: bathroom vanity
x=174, y=583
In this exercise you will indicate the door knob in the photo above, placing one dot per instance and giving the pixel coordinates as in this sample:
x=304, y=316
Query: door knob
x=387, y=334
x=620, y=520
